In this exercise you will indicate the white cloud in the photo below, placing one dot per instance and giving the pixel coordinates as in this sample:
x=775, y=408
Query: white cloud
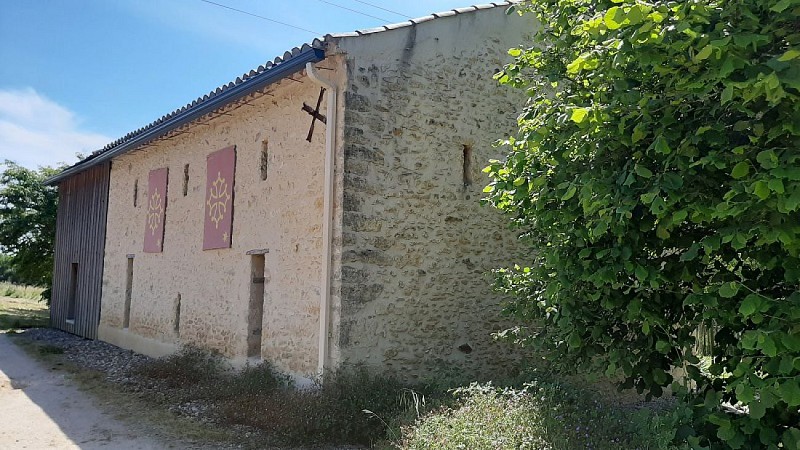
x=36, y=131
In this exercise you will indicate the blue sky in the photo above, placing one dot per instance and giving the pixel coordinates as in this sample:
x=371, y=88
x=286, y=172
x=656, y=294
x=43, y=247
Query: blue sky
x=77, y=74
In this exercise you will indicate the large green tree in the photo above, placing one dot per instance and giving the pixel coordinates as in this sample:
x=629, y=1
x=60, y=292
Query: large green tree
x=28, y=223
x=656, y=175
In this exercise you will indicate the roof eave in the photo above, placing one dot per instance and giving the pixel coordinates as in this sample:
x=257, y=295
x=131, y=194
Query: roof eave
x=276, y=73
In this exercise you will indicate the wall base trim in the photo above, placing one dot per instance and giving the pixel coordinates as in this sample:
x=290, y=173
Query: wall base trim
x=123, y=338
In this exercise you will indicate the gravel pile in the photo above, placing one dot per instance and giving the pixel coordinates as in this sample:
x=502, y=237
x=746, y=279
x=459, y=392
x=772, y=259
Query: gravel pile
x=114, y=362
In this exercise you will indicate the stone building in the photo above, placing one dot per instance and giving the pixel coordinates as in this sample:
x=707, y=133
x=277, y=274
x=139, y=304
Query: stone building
x=320, y=211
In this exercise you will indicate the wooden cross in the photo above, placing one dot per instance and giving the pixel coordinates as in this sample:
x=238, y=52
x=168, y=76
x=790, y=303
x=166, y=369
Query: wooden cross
x=315, y=115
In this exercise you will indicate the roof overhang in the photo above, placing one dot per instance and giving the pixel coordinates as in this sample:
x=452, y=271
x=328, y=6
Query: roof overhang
x=275, y=73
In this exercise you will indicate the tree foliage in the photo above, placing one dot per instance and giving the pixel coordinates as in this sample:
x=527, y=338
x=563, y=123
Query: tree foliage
x=656, y=175
x=28, y=223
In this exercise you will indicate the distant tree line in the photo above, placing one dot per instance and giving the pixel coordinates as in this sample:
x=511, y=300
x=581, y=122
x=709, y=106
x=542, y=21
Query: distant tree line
x=27, y=225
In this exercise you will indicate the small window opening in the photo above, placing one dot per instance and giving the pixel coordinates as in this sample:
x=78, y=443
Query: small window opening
x=177, y=323
x=255, y=316
x=185, y=179
x=467, y=164
x=126, y=318
x=135, y=192
x=73, y=291
x=264, y=159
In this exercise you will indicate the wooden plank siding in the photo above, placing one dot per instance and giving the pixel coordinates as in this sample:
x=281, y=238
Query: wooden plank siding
x=79, y=250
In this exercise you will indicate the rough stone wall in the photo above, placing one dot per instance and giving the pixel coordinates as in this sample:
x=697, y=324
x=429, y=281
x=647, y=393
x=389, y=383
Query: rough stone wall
x=412, y=296
x=282, y=214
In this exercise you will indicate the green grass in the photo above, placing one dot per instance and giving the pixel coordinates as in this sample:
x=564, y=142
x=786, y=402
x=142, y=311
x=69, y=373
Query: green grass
x=20, y=291
x=546, y=416
x=17, y=313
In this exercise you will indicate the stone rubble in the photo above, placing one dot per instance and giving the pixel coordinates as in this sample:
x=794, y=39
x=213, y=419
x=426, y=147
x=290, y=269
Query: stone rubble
x=116, y=363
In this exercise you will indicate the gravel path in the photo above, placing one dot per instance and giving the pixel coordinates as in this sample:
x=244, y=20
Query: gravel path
x=40, y=408
x=113, y=361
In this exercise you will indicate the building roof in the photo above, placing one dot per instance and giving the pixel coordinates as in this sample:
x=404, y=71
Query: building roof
x=281, y=67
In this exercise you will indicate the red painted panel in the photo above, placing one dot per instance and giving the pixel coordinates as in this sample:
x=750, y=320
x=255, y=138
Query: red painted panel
x=156, y=210
x=218, y=222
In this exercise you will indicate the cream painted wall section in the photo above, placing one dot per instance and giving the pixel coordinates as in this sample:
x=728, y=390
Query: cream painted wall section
x=282, y=214
x=421, y=115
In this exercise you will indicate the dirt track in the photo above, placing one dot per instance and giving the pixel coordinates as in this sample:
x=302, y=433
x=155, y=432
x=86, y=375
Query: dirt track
x=40, y=408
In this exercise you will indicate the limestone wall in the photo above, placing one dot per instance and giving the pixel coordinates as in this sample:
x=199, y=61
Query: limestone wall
x=282, y=214
x=412, y=295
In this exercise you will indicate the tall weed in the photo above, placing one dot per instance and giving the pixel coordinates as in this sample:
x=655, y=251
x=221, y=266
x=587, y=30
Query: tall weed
x=538, y=416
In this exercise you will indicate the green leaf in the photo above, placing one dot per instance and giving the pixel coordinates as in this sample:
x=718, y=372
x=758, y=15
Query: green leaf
x=741, y=170
x=661, y=145
x=750, y=340
x=570, y=193
x=662, y=347
x=691, y=253
x=791, y=439
x=776, y=185
x=750, y=305
x=729, y=290
x=642, y=171
x=727, y=67
x=599, y=229
x=641, y=273
x=647, y=198
x=789, y=55
x=768, y=346
x=639, y=133
x=791, y=341
x=574, y=340
x=704, y=53
x=781, y=6
x=757, y=410
x=744, y=393
x=579, y=115
x=635, y=15
x=727, y=94
x=768, y=159
x=787, y=365
x=726, y=433
x=614, y=18
x=761, y=189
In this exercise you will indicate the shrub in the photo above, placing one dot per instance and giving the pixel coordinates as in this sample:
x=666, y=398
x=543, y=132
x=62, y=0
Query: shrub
x=331, y=412
x=190, y=366
x=656, y=174
x=539, y=416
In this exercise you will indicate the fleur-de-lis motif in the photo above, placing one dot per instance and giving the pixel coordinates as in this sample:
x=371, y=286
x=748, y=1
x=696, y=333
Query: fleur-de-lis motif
x=154, y=209
x=218, y=198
